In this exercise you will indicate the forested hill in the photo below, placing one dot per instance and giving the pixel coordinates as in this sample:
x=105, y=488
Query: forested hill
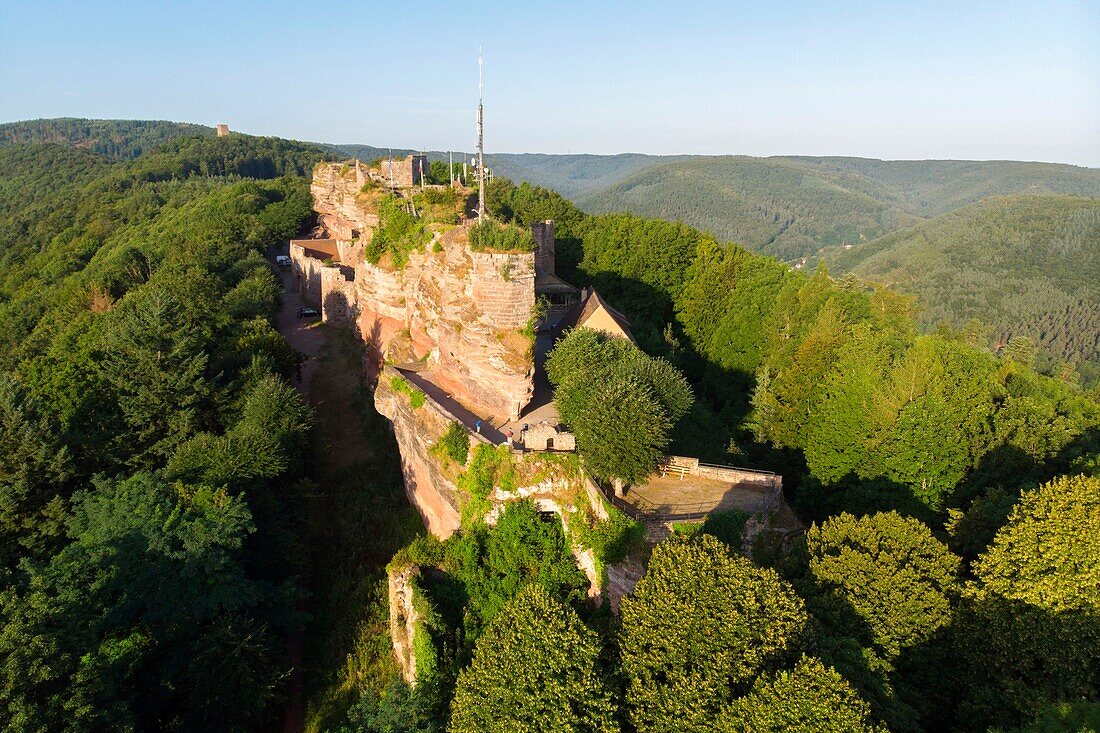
x=115, y=139
x=151, y=444
x=1025, y=265
x=792, y=207
x=162, y=513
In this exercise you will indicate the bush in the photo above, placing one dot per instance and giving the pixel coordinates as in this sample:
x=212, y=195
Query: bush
x=398, y=233
x=611, y=540
x=491, y=235
x=416, y=397
x=455, y=443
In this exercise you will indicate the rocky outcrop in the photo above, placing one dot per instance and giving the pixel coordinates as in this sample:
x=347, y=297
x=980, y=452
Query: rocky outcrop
x=404, y=618
x=430, y=488
x=339, y=201
x=461, y=312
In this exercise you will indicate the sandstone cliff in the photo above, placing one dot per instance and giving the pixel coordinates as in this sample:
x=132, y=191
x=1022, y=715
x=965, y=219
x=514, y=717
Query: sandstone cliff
x=430, y=488
x=462, y=313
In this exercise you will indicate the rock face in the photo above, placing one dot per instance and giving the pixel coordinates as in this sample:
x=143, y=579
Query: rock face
x=337, y=199
x=429, y=487
x=461, y=312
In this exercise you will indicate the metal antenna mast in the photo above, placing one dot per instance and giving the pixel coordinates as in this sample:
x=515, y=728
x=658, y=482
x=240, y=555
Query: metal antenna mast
x=480, y=141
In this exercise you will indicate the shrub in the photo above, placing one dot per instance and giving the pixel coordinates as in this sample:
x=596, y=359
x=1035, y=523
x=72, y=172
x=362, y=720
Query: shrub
x=491, y=235
x=398, y=233
x=490, y=467
x=612, y=539
x=416, y=397
x=455, y=443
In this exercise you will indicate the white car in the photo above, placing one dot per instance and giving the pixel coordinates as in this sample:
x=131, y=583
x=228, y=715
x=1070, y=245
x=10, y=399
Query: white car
x=283, y=261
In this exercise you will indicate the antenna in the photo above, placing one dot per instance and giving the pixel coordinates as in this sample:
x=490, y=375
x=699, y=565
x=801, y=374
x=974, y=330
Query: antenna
x=480, y=140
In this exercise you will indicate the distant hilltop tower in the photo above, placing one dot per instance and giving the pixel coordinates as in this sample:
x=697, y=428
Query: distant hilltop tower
x=223, y=129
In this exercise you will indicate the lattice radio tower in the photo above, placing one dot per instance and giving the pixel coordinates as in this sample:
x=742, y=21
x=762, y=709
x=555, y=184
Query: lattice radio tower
x=480, y=140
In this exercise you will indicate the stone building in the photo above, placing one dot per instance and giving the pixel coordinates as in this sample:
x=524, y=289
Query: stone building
x=405, y=173
x=223, y=129
x=560, y=295
x=547, y=437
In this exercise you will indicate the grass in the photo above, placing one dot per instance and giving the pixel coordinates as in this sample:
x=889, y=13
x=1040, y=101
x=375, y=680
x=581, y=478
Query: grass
x=416, y=397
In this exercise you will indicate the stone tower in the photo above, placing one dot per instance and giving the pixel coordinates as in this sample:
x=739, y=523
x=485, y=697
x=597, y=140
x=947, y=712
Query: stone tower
x=545, y=244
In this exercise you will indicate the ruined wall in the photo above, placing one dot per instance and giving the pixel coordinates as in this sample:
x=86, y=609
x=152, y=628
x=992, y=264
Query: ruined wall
x=404, y=618
x=339, y=298
x=406, y=172
x=306, y=273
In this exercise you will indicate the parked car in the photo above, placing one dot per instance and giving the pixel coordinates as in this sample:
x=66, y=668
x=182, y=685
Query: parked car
x=283, y=262
x=308, y=312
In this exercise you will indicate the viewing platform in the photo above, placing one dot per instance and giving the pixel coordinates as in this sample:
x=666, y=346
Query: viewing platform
x=685, y=489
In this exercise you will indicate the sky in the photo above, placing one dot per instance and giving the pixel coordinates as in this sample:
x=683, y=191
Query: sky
x=904, y=80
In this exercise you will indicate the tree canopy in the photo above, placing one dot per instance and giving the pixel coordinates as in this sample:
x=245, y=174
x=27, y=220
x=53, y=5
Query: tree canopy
x=535, y=668
x=620, y=402
x=698, y=628
x=810, y=698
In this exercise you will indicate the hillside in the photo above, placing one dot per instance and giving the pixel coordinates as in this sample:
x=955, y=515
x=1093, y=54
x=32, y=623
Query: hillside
x=168, y=510
x=792, y=207
x=779, y=207
x=115, y=139
x=1026, y=265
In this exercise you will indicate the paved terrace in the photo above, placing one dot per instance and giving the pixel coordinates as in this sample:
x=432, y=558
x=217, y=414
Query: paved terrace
x=692, y=489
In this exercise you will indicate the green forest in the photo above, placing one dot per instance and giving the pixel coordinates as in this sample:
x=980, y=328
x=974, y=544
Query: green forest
x=1027, y=266
x=114, y=139
x=791, y=207
x=166, y=535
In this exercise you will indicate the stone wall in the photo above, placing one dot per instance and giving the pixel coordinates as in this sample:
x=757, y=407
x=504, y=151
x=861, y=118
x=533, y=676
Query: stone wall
x=307, y=260
x=339, y=298
x=406, y=172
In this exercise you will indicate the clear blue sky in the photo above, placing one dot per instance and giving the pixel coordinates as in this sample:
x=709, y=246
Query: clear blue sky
x=887, y=80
